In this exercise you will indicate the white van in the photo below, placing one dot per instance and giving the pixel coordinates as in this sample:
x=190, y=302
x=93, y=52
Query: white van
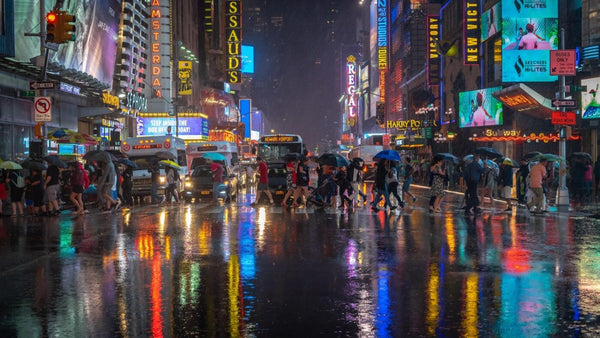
x=195, y=150
x=143, y=151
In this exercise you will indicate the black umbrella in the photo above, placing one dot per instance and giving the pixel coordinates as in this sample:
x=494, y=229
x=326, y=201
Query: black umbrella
x=99, y=156
x=334, y=160
x=531, y=155
x=580, y=156
x=117, y=153
x=165, y=155
x=127, y=162
x=488, y=152
x=54, y=160
x=33, y=164
x=447, y=157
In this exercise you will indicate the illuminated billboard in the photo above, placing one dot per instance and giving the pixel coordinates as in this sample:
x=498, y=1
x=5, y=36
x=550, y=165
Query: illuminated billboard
x=247, y=59
x=478, y=108
x=590, y=105
x=434, y=75
x=189, y=127
x=233, y=32
x=351, y=90
x=94, y=49
x=490, y=22
x=471, y=32
x=246, y=116
x=529, y=32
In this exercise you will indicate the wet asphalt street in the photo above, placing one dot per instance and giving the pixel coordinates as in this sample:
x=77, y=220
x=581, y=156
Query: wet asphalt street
x=199, y=270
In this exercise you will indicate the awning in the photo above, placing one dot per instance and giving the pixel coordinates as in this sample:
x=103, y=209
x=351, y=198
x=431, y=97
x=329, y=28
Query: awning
x=523, y=99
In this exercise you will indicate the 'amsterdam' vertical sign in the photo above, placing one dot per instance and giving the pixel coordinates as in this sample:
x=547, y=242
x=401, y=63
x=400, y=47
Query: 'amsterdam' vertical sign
x=233, y=30
x=471, y=32
x=433, y=56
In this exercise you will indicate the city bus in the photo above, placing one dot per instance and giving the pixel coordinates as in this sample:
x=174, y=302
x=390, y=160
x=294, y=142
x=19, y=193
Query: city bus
x=196, y=149
x=272, y=149
x=143, y=151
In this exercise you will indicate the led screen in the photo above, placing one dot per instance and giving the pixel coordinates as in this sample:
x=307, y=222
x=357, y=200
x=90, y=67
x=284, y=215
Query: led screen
x=478, y=108
x=490, y=22
x=590, y=104
x=529, y=32
x=247, y=59
x=96, y=29
x=189, y=127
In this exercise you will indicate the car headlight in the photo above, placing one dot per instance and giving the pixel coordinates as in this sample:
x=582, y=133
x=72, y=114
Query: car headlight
x=188, y=184
x=162, y=179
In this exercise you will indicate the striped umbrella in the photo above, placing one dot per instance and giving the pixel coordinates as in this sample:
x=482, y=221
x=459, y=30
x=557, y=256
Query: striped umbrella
x=77, y=138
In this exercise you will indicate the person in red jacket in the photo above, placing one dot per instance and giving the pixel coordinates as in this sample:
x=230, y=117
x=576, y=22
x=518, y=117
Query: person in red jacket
x=263, y=181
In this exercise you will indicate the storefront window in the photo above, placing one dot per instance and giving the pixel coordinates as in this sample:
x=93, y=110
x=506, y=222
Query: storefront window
x=6, y=143
x=21, y=138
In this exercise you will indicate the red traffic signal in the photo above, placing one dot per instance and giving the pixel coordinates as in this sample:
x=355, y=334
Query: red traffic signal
x=51, y=17
x=51, y=25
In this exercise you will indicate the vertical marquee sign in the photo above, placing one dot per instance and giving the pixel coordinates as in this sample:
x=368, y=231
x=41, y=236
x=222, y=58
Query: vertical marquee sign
x=159, y=23
x=233, y=30
x=351, y=84
x=382, y=45
x=471, y=32
x=433, y=56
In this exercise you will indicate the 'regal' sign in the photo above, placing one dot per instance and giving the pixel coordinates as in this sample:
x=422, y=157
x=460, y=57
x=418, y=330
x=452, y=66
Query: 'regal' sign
x=351, y=83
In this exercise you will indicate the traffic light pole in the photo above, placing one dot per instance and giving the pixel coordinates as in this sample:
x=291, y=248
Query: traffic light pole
x=562, y=192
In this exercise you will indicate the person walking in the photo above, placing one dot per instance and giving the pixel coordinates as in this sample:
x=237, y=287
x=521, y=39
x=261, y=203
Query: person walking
x=3, y=195
x=217, y=179
x=290, y=181
x=154, y=170
x=506, y=183
x=127, y=186
x=587, y=180
x=263, y=182
x=597, y=177
x=437, y=185
x=344, y=188
x=37, y=192
x=172, y=178
x=380, y=186
x=472, y=176
x=355, y=177
x=408, y=179
x=76, y=187
x=536, y=179
x=391, y=180
x=52, y=189
x=488, y=183
x=16, y=184
x=522, y=184
x=302, y=182
x=109, y=186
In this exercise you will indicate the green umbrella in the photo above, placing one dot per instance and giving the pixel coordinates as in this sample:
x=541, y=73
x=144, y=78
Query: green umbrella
x=10, y=165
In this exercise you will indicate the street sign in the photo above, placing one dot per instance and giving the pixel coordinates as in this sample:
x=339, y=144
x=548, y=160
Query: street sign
x=41, y=85
x=575, y=89
x=27, y=93
x=562, y=62
x=564, y=118
x=568, y=103
x=42, y=106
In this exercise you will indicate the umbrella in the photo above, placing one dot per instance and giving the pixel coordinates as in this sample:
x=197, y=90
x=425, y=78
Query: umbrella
x=99, y=156
x=33, y=164
x=170, y=163
x=388, y=154
x=488, y=152
x=548, y=157
x=10, y=165
x=127, y=162
x=165, y=155
x=59, y=133
x=334, y=160
x=54, y=160
x=493, y=165
x=447, y=157
x=213, y=156
x=469, y=158
x=581, y=156
x=510, y=162
x=77, y=138
x=531, y=155
x=117, y=153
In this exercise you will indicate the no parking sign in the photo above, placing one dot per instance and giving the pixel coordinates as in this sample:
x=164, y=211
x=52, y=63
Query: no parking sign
x=42, y=107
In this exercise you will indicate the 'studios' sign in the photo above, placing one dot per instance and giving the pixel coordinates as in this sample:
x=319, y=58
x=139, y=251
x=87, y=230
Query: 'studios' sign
x=233, y=31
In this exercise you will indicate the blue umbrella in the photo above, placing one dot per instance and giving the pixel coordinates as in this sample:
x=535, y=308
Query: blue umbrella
x=213, y=156
x=388, y=154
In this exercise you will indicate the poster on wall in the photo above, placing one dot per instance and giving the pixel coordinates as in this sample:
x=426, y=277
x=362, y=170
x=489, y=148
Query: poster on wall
x=94, y=49
x=590, y=103
x=490, y=22
x=478, y=108
x=529, y=32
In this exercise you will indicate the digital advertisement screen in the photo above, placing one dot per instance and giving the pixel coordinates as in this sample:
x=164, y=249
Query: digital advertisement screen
x=247, y=59
x=189, y=127
x=590, y=104
x=490, y=22
x=529, y=32
x=96, y=29
x=478, y=108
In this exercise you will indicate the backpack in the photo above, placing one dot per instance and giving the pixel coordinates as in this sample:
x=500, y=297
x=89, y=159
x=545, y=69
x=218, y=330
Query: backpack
x=20, y=183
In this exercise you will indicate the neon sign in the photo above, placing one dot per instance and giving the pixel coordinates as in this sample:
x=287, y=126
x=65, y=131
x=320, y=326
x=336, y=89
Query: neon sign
x=233, y=30
x=382, y=39
x=471, y=32
x=351, y=82
x=156, y=50
x=433, y=58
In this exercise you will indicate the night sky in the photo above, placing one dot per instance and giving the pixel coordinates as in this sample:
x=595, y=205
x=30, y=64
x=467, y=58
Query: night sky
x=301, y=68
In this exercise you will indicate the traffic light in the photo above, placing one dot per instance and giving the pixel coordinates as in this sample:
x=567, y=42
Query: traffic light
x=67, y=23
x=52, y=26
x=380, y=113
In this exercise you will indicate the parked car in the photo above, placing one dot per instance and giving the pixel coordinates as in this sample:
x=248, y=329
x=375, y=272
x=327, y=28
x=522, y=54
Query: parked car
x=200, y=186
